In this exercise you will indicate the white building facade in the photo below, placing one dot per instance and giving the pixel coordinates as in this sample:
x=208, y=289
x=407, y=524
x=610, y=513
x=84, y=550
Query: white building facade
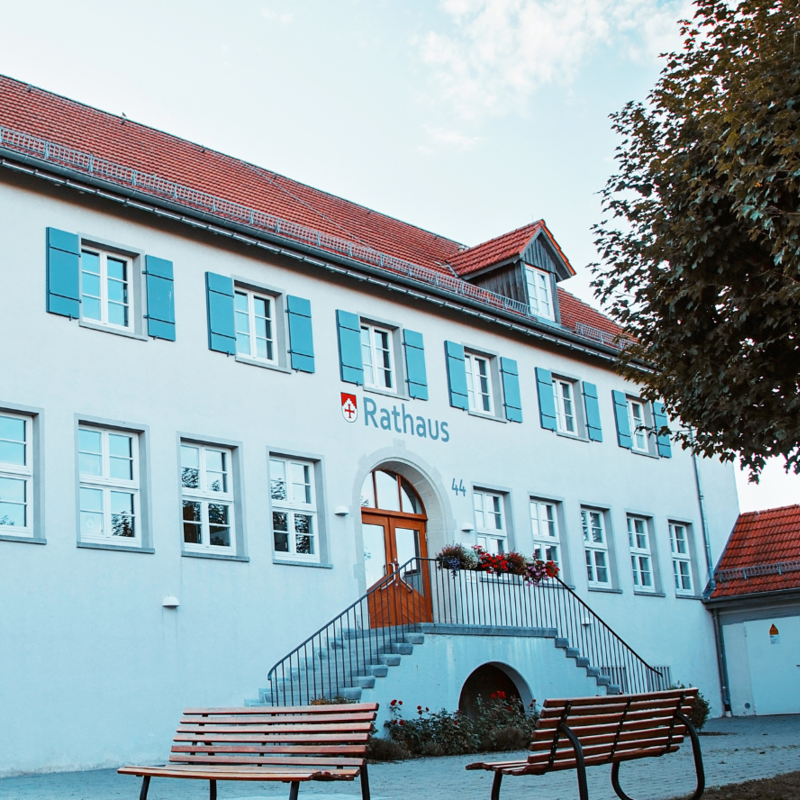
x=195, y=395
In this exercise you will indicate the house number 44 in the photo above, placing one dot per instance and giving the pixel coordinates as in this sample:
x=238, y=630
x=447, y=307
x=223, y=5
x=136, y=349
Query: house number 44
x=460, y=488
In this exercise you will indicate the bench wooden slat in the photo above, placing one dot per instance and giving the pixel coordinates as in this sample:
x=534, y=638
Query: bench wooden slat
x=337, y=721
x=633, y=715
x=285, y=743
x=262, y=728
x=605, y=735
x=327, y=708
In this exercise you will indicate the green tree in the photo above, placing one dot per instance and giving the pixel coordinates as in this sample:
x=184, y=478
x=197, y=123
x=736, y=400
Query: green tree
x=700, y=247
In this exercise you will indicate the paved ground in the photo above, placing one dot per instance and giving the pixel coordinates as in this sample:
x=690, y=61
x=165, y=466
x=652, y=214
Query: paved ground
x=744, y=748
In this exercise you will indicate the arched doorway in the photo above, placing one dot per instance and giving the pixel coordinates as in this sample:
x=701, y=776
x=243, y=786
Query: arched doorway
x=393, y=529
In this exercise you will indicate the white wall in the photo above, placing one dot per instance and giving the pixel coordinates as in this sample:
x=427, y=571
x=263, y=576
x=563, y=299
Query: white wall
x=93, y=671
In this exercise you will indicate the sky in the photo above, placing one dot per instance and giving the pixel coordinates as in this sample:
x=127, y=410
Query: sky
x=465, y=117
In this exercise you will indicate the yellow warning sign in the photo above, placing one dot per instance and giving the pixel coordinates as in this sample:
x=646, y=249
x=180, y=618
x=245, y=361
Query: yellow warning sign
x=774, y=635
x=773, y=631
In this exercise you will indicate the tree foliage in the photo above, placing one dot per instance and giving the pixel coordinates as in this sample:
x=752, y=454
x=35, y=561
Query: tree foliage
x=701, y=248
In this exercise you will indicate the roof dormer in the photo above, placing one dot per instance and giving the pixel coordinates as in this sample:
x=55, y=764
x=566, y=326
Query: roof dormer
x=523, y=265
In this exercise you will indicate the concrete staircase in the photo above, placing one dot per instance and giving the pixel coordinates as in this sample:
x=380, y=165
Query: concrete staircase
x=333, y=661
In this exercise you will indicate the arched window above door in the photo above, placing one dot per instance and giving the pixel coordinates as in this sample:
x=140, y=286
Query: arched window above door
x=389, y=491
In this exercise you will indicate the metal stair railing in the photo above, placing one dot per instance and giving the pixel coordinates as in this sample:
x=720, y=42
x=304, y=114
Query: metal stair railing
x=333, y=659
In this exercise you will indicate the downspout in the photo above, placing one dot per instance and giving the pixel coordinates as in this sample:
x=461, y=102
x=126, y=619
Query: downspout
x=719, y=642
x=722, y=663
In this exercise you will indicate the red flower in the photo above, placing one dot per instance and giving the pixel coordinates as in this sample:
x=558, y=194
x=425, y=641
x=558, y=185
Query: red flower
x=402, y=722
x=399, y=702
x=393, y=703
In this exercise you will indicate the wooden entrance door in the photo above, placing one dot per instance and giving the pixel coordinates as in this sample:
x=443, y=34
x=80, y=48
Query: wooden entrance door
x=403, y=596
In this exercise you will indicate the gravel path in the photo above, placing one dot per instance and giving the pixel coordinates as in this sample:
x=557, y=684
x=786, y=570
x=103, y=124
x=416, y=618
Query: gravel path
x=743, y=748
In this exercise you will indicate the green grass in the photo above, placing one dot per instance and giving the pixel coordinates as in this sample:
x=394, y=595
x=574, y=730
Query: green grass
x=781, y=787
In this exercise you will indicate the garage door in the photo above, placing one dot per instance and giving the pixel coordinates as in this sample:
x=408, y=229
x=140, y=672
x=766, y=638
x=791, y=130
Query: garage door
x=773, y=651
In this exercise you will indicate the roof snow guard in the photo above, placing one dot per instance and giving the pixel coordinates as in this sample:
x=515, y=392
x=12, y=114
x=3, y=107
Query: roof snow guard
x=44, y=134
x=762, y=554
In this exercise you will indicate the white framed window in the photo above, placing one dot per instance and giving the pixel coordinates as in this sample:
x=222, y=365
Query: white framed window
x=681, y=558
x=489, y=521
x=564, y=395
x=637, y=420
x=539, y=294
x=16, y=475
x=106, y=292
x=595, y=544
x=294, y=509
x=207, y=498
x=641, y=556
x=108, y=464
x=544, y=525
x=377, y=357
x=479, y=383
x=255, y=325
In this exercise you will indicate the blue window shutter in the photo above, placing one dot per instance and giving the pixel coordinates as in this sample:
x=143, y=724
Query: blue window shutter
x=621, y=415
x=349, y=329
x=160, y=298
x=664, y=446
x=592, y=407
x=456, y=375
x=547, y=400
x=63, y=273
x=511, y=399
x=221, y=329
x=416, y=376
x=301, y=336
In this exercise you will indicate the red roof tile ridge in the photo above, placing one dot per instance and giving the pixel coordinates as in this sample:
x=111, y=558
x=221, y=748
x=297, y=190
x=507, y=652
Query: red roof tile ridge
x=533, y=226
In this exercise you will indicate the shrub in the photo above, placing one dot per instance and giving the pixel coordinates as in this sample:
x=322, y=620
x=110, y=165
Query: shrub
x=500, y=723
x=516, y=563
x=700, y=710
x=386, y=750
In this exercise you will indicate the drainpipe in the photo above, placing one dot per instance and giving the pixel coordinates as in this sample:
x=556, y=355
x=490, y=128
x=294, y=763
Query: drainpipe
x=703, y=520
x=719, y=642
x=722, y=664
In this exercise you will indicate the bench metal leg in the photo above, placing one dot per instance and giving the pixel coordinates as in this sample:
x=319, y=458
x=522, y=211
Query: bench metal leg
x=498, y=779
x=293, y=790
x=212, y=790
x=580, y=763
x=145, y=787
x=364, y=783
x=698, y=765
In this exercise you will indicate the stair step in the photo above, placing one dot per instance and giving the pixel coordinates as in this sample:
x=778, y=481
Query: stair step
x=603, y=680
x=593, y=672
x=415, y=638
x=351, y=693
x=612, y=688
x=582, y=661
x=365, y=681
x=390, y=660
x=255, y=703
x=562, y=643
x=402, y=648
x=379, y=670
x=572, y=652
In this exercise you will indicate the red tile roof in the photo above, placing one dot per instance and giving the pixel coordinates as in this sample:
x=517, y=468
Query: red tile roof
x=762, y=554
x=149, y=151
x=502, y=248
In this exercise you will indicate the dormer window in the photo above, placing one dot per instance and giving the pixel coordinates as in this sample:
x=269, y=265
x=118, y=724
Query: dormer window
x=539, y=295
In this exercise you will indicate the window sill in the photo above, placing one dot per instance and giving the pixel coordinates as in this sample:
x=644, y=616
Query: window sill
x=648, y=594
x=485, y=415
x=121, y=547
x=687, y=596
x=289, y=563
x=96, y=326
x=642, y=453
x=216, y=556
x=254, y=362
x=607, y=590
x=574, y=436
x=384, y=392
x=25, y=539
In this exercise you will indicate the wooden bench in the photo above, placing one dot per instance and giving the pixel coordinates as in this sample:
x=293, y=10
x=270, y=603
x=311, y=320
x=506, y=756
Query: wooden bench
x=289, y=744
x=589, y=731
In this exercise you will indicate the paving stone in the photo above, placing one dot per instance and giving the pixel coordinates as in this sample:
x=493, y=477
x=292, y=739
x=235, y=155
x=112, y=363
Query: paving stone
x=742, y=749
